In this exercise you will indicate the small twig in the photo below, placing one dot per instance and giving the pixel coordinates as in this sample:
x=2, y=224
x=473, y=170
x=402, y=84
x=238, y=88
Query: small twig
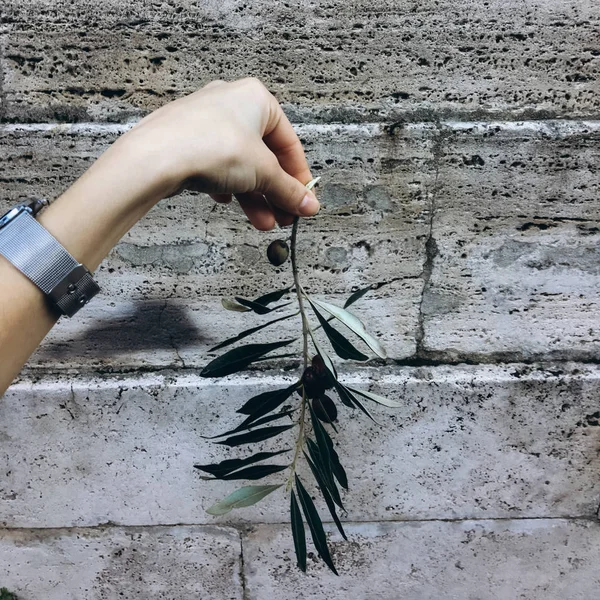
x=299, y=293
x=305, y=328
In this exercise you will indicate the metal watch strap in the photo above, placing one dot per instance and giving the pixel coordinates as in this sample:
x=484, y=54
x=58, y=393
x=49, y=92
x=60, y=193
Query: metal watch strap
x=39, y=256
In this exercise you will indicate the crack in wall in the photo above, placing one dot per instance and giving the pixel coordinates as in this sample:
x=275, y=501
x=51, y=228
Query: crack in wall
x=242, y=528
x=431, y=249
x=243, y=581
x=428, y=359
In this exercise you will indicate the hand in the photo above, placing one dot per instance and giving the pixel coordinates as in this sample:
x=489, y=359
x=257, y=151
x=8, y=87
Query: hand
x=230, y=138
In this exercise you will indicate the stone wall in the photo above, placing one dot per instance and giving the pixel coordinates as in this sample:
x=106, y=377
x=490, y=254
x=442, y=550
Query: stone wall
x=459, y=146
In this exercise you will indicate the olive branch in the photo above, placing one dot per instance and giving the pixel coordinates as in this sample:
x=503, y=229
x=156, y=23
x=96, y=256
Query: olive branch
x=318, y=377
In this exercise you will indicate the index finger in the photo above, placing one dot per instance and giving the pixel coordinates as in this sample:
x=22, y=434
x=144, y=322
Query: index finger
x=283, y=141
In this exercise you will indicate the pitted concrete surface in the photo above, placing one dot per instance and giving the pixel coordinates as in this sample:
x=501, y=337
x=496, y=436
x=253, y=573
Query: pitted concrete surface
x=483, y=560
x=468, y=442
x=338, y=61
x=458, y=144
x=483, y=237
x=166, y=563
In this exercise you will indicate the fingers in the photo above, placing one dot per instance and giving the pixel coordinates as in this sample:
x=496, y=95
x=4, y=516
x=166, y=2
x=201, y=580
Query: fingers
x=284, y=219
x=257, y=210
x=213, y=83
x=283, y=141
x=221, y=198
x=282, y=190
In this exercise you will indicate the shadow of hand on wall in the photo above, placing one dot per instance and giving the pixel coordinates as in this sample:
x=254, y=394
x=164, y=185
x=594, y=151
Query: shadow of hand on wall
x=153, y=325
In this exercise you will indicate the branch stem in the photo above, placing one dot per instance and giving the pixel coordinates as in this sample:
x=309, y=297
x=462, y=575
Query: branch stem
x=305, y=329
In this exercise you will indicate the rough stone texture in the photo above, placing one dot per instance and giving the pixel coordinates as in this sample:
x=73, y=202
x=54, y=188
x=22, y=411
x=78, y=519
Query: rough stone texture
x=362, y=59
x=514, y=246
x=177, y=332
x=497, y=221
x=469, y=442
x=480, y=228
x=375, y=191
x=166, y=563
x=474, y=560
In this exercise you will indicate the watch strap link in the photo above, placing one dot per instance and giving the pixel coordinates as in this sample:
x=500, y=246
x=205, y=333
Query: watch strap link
x=40, y=257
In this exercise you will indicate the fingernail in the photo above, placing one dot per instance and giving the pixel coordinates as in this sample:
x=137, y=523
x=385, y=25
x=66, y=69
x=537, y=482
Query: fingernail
x=309, y=206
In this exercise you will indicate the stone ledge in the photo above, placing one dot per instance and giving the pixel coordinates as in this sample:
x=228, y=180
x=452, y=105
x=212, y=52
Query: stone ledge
x=468, y=442
x=489, y=231
x=162, y=563
x=487, y=560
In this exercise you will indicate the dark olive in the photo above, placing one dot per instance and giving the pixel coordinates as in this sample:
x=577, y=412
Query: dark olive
x=278, y=252
x=322, y=372
x=312, y=384
x=325, y=409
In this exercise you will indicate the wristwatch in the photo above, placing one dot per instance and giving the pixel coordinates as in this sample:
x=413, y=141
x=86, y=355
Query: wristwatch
x=67, y=284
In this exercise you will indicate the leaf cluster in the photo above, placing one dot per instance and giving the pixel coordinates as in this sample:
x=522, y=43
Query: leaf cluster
x=271, y=414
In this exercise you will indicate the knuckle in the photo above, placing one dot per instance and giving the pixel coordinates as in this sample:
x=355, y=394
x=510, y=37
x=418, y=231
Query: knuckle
x=256, y=85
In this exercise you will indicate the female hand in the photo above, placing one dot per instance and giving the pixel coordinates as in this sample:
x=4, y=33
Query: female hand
x=230, y=138
x=227, y=138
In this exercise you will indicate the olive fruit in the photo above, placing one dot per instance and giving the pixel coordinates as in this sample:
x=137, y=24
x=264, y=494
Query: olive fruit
x=323, y=374
x=311, y=382
x=325, y=409
x=278, y=252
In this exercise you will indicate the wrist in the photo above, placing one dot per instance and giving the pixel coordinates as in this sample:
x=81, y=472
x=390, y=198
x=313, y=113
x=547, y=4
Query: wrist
x=105, y=202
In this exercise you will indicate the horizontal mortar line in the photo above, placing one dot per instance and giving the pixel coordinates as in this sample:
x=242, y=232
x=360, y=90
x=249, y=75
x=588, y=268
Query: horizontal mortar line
x=550, y=127
x=116, y=379
x=246, y=525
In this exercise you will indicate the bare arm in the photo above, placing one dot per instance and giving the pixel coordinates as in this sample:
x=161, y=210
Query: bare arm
x=227, y=138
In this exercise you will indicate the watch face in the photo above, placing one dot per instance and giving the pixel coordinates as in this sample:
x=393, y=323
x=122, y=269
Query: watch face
x=10, y=215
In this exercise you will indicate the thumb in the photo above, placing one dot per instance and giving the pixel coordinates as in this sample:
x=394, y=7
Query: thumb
x=284, y=191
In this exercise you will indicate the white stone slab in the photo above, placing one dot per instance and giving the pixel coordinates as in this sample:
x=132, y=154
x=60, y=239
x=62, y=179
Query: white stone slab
x=468, y=442
x=462, y=560
x=166, y=563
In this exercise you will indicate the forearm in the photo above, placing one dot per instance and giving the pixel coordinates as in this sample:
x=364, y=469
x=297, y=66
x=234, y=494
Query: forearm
x=227, y=138
x=88, y=220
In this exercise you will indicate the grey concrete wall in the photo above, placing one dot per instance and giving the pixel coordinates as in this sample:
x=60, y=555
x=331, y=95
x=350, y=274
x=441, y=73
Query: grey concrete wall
x=459, y=147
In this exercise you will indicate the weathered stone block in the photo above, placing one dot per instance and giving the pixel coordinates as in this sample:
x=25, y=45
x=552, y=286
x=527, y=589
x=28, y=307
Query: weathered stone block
x=348, y=61
x=487, y=560
x=514, y=250
x=166, y=563
x=468, y=442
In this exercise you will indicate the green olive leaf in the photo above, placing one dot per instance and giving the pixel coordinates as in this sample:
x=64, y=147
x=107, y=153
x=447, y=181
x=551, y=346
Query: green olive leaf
x=323, y=355
x=347, y=395
x=314, y=524
x=256, y=435
x=264, y=403
x=246, y=496
x=233, y=464
x=298, y=532
x=250, y=422
x=259, y=309
x=232, y=305
x=357, y=296
x=339, y=342
x=247, y=332
x=375, y=397
x=239, y=358
x=326, y=495
x=354, y=324
x=271, y=297
x=252, y=473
